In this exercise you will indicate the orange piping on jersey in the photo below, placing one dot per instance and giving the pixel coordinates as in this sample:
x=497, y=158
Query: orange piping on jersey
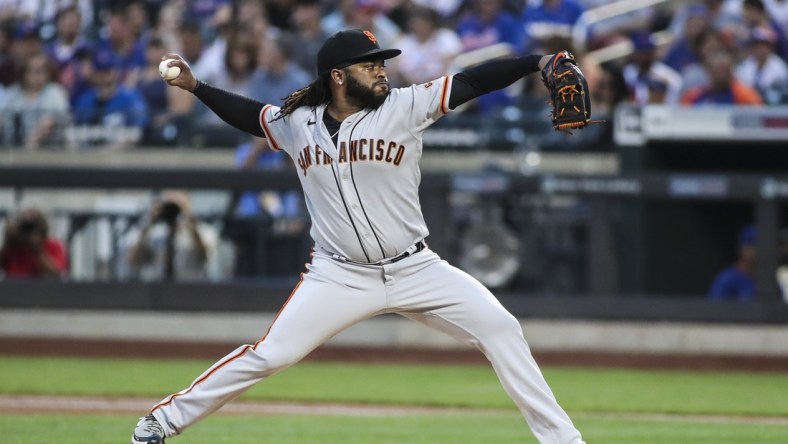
x=280, y=311
x=233, y=357
x=199, y=381
x=267, y=131
x=444, y=94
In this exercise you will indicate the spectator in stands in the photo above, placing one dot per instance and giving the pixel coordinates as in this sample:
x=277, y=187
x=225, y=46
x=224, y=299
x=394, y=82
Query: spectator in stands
x=488, y=23
x=276, y=76
x=657, y=91
x=708, y=42
x=339, y=18
x=28, y=250
x=723, y=87
x=170, y=244
x=762, y=69
x=13, y=10
x=127, y=51
x=77, y=76
x=756, y=16
x=191, y=43
x=138, y=20
x=211, y=61
x=169, y=27
x=68, y=41
x=45, y=12
x=778, y=11
x=549, y=19
x=644, y=70
x=722, y=15
x=210, y=14
x=279, y=13
x=71, y=52
x=251, y=20
x=240, y=61
x=169, y=108
x=735, y=283
x=430, y=48
x=487, y=30
x=26, y=42
x=308, y=34
x=363, y=14
x=36, y=108
x=683, y=51
x=118, y=111
x=7, y=69
x=235, y=73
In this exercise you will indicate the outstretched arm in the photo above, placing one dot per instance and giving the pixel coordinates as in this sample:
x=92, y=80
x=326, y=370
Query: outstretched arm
x=491, y=76
x=239, y=111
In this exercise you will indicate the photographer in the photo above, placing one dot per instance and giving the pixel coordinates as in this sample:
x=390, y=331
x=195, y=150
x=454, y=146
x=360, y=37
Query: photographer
x=172, y=244
x=28, y=251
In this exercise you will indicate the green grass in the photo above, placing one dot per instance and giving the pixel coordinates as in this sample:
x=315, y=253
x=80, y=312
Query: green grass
x=578, y=390
x=609, y=406
x=422, y=429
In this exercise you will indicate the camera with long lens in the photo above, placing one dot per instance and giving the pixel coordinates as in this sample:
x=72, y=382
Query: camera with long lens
x=27, y=227
x=170, y=212
x=25, y=230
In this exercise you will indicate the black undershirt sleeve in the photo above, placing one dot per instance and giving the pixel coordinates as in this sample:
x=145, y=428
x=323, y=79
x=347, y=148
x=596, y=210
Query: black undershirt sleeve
x=239, y=111
x=243, y=113
x=490, y=76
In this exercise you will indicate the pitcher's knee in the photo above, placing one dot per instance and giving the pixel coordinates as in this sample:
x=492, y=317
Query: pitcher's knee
x=502, y=323
x=493, y=330
x=273, y=360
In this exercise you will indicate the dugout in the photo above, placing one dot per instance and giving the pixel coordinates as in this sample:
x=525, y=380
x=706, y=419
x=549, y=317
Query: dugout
x=675, y=245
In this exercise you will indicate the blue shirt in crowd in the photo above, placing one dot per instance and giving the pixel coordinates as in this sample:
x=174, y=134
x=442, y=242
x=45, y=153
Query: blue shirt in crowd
x=505, y=28
x=249, y=201
x=732, y=284
x=125, y=108
x=541, y=20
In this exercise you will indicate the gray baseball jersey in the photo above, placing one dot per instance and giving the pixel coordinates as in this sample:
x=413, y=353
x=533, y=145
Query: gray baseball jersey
x=362, y=195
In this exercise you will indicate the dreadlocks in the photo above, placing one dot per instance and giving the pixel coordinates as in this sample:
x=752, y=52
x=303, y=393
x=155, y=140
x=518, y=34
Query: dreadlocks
x=315, y=94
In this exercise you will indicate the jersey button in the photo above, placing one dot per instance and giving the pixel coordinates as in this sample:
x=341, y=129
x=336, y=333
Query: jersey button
x=345, y=176
x=354, y=206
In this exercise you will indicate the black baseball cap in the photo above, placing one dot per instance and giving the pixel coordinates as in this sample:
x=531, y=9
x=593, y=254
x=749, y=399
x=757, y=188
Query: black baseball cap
x=348, y=47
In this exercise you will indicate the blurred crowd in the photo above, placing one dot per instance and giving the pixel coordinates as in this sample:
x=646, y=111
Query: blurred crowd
x=84, y=73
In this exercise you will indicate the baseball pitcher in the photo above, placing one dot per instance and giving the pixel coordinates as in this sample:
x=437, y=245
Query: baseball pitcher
x=356, y=145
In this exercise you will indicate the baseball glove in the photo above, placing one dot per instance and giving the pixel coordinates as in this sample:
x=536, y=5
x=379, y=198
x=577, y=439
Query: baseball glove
x=569, y=94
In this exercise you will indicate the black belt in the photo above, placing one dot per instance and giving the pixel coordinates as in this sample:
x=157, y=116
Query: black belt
x=420, y=245
x=413, y=249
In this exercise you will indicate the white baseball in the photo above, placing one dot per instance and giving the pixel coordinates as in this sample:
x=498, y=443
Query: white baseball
x=168, y=72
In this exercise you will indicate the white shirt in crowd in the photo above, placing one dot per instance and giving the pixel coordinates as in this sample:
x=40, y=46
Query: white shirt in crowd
x=427, y=60
x=773, y=73
x=658, y=72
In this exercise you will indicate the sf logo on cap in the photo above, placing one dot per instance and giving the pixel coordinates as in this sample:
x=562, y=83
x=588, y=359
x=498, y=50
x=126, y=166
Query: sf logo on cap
x=370, y=36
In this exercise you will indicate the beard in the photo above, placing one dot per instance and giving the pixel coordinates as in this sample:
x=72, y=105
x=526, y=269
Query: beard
x=366, y=97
